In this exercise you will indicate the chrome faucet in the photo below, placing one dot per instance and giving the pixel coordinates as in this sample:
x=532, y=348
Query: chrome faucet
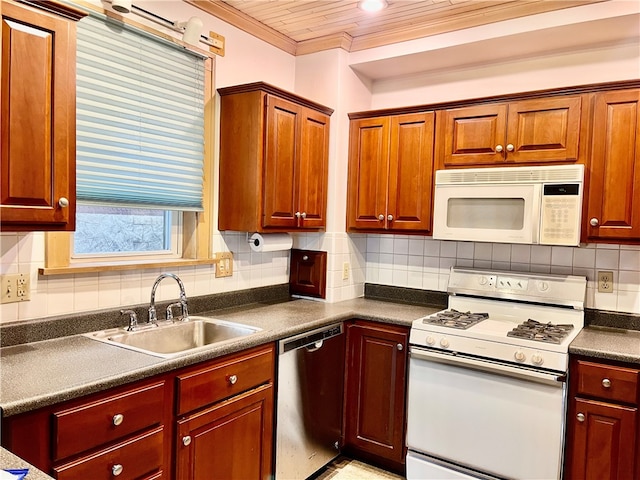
x=153, y=317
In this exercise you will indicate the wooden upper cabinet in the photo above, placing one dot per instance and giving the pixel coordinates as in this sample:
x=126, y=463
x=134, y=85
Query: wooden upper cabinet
x=613, y=209
x=536, y=131
x=391, y=173
x=274, y=152
x=37, y=186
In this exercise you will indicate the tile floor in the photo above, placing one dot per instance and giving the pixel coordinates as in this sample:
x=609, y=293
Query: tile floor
x=344, y=468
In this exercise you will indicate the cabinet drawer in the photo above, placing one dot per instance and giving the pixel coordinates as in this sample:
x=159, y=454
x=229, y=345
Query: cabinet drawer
x=111, y=418
x=607, y=381
x=139, y=457
x=221, y=380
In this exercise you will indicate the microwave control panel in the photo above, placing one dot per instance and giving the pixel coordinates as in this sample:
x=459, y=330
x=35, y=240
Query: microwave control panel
x=560, y=214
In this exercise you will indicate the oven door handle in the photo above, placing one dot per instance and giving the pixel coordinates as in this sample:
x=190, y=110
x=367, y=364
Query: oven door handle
x=489, y=366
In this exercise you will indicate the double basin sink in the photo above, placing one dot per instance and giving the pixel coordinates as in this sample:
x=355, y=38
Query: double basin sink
x=168, y=339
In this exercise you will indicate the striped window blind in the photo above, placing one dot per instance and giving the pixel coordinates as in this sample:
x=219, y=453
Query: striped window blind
x=140, y=118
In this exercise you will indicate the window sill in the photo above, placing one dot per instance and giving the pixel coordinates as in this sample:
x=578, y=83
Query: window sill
x=122, y=266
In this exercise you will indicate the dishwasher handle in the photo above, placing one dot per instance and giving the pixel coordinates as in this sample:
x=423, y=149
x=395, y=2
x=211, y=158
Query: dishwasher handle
x=312, y=339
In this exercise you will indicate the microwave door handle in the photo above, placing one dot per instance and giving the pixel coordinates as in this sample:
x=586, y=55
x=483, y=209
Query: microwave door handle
x=537, y=211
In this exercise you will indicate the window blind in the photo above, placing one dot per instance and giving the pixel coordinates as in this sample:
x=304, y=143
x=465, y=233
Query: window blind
x=140, y=118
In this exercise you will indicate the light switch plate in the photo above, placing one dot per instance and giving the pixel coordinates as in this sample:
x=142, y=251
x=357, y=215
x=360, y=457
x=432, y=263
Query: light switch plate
x=224, y=264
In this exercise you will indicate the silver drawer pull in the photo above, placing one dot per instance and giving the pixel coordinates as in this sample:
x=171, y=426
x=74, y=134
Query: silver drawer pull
x=233, y=379
x=117, y=469
x=118, y=418
x=186, y=440
x=606, y=383
x=580, y=417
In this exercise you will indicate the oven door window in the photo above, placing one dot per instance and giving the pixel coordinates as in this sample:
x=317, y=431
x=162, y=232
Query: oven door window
x=491, y=422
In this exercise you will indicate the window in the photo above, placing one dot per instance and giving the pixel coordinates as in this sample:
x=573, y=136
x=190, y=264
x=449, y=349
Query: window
x=141, y=166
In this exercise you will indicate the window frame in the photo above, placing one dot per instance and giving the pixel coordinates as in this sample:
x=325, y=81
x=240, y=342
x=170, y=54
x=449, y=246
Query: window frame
x=196, y=241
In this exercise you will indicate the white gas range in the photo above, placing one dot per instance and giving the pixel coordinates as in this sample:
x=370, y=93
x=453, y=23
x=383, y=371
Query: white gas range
x=487, y=377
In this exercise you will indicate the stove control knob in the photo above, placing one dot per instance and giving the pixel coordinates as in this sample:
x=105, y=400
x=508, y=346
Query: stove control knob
x=519, y=356
x=537, y=359
x=483, y=280
x=543, y=286
x=430, y=340
x=444, y=343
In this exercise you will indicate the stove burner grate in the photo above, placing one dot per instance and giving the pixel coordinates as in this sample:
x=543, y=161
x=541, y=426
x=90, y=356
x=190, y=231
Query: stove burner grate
x=541, y=332
x=455, y=319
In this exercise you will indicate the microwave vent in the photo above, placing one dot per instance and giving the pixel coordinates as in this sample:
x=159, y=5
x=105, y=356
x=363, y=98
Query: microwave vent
x=559, y=173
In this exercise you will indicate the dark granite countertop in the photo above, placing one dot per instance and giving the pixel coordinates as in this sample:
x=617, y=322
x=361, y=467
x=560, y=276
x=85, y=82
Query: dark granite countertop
x=10, y=461
x=46, y=372
x=607, y=343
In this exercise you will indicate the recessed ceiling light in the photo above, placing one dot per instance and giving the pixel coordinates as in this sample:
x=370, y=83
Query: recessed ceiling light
x=372, y=5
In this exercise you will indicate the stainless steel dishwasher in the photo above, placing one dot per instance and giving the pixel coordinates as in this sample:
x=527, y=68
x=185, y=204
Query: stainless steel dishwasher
x=309, y=407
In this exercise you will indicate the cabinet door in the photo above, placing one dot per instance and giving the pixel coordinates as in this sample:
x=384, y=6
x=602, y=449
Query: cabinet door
x=231, y=440
x=472, y=136
x=544, y=130
x=313, y=167
x=375, y=385
x=368, y=172
x=410, y=172
x=603, y=441
x=37, y=186
x=282, y=150
x=614, y=181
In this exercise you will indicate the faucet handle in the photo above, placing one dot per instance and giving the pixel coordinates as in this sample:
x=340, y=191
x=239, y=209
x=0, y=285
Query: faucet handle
x=169, y=314
x=185, y=310
x=133, y=319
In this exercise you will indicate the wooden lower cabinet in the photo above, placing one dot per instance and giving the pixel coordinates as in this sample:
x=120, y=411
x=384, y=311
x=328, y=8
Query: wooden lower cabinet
x=375, y=393
x=231, y=440
x=603, y=429
x=213, y=420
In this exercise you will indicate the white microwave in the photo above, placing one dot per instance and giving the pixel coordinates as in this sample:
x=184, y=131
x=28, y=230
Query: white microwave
x=532, y=205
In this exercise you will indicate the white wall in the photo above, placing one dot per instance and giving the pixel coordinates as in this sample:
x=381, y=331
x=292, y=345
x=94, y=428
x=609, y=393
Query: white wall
x=328, y=78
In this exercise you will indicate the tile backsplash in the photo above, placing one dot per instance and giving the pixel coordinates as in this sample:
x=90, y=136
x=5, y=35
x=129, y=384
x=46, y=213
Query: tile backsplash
x=424, y=263
x=399, y=260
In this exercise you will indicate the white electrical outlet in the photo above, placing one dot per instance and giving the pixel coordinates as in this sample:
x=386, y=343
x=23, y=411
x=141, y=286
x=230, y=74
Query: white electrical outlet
x=15, y=287
x=605, y=282
x=345, y=271
x=224, y=264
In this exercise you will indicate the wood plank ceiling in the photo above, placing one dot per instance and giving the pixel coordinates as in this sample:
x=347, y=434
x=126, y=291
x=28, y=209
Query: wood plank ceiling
x=306, y=26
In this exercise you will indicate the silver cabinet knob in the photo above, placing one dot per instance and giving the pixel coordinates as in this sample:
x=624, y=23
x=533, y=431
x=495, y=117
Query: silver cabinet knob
x=400, y=347
x=510, y=147
x=594, y=222
x=606, y=383
x=63, y=202
x=297, y=214
x=380, y=217
x=305, y=258
x=186, y=440
x=580, y=417
x=117, y=469
x=499, y=148
x=303, y=214
x=390, y=218
x=118, y=418
x=233, y=379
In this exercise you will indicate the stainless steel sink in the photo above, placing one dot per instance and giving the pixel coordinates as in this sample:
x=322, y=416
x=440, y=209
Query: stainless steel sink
x=169, y=339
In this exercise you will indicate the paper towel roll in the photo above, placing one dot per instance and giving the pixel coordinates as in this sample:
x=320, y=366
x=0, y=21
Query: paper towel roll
x=270, y=242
